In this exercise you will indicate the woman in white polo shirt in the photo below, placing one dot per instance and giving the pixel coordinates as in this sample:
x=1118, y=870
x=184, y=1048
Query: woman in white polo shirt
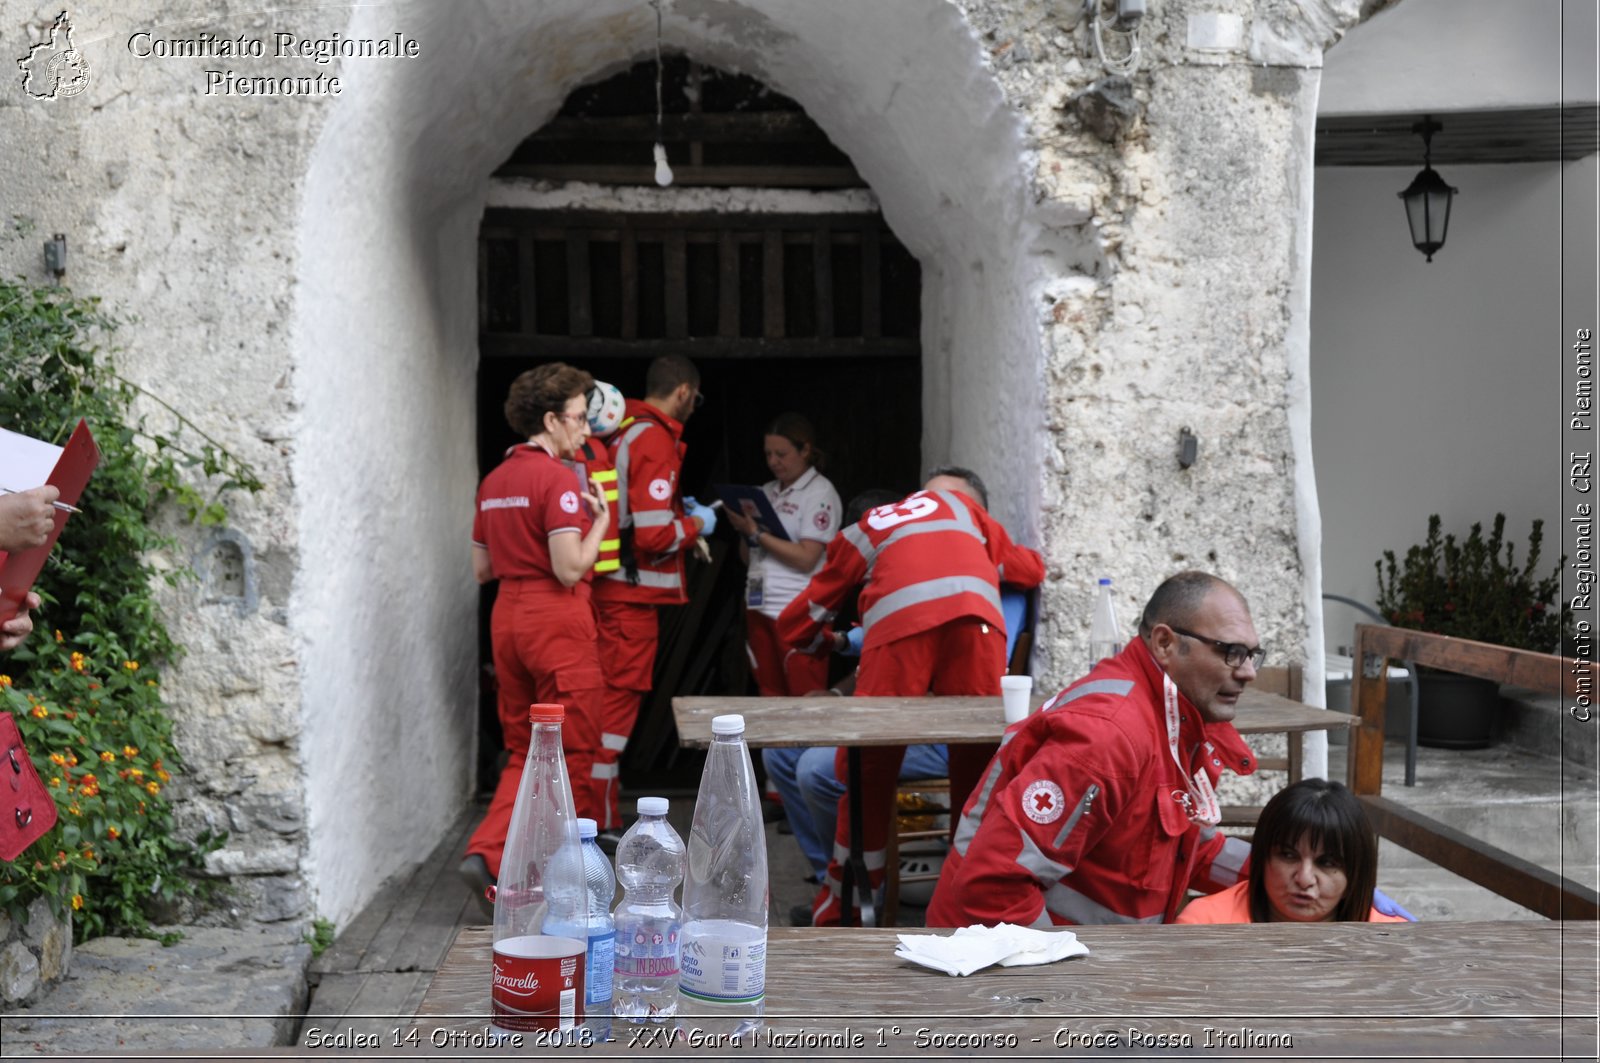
x=779, y=569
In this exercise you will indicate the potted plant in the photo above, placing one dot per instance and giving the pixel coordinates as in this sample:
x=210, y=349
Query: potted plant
x=1471, y=589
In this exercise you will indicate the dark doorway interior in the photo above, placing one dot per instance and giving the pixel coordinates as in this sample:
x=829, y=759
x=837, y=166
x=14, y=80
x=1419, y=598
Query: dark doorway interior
x=814, y=313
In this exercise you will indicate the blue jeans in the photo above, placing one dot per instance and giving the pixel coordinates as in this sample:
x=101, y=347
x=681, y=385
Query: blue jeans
x=804, y=778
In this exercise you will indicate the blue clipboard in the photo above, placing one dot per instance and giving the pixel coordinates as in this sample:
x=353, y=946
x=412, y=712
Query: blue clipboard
x=734, y=496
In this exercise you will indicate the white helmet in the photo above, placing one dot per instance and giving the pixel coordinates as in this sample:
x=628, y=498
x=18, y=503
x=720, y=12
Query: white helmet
x=605, y=408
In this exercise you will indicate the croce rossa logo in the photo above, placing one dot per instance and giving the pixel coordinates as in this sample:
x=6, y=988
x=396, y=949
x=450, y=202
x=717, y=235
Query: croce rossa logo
x=53, y=68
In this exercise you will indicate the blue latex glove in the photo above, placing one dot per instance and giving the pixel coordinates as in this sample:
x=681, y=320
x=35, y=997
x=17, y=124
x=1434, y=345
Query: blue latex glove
x=1388, y=906
x=707, y=515
x=853, y=640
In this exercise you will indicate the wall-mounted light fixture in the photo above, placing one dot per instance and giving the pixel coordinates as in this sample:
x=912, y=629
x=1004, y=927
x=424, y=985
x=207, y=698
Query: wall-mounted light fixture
x=663, y=171
x=55, y=255
x=1427, y=198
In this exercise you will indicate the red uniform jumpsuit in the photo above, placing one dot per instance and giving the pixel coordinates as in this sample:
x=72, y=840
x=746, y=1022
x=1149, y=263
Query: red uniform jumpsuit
x=1082, y=816
x=931, y=565
x=647, y=454
x=543, y=633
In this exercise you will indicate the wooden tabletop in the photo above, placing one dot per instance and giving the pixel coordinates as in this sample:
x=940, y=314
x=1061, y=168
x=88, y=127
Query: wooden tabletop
x=834, y=721
x=1341, y=990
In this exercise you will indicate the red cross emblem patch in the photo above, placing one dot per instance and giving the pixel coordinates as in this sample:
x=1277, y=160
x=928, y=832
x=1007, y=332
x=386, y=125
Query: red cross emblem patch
x=1043, y=801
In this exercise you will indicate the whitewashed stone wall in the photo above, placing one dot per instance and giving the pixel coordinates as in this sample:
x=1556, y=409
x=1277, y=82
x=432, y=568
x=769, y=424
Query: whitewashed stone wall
x=304, y=274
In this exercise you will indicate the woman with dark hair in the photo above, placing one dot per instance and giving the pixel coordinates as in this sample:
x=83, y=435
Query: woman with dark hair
x=779, y=568
x=1314, y=859
x=539, y=525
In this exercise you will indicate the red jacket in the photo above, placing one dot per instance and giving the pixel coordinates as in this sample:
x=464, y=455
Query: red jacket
x=1078, y=819
x=648, y=455
x=926, y=560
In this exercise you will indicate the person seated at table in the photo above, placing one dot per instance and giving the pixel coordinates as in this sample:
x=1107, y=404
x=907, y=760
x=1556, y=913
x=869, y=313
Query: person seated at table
x=929, y=569
x=1314, y=859
x=1101, y=807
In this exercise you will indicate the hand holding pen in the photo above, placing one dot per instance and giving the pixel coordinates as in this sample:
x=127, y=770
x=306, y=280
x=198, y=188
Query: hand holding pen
x=27, y=517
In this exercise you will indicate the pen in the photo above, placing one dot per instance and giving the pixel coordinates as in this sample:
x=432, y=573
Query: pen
x=62, y=506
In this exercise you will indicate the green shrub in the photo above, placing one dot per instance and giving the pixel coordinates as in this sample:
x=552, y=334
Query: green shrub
x=1466, y=590
x=85, y=688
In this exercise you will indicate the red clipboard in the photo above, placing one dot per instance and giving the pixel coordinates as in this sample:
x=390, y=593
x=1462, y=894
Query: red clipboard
x=77, y=463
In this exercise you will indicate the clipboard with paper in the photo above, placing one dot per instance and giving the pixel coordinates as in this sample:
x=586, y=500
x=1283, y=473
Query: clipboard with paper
x=26, y=463
x=752, y=500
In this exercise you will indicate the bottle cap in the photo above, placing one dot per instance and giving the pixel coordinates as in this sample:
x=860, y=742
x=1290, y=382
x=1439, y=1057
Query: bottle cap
x=652, y=806
x=731, y=724
x=1105, y=581
x=546, y=713
x=587, y=828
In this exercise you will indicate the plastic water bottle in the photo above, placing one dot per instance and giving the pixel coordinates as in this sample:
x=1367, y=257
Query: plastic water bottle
x=597, y=929
x=538, y=974
x=1105, y=637
x=650, y=859
x=722, y=985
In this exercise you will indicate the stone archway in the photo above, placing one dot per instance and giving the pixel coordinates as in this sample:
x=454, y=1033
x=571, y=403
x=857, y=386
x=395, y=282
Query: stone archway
x=392, y=198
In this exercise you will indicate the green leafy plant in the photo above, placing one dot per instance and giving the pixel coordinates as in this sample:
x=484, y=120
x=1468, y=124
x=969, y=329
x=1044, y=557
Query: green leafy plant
x=321, y=936
x=1469, y=590
x=85, y=689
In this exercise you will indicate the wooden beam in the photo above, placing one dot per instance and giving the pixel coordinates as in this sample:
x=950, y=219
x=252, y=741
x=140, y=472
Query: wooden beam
x=527, y=281
x=506, y=223
x=580, y=312
x=740, y=127
x=772, y=285
x=675, y=264
x=1524, y=668
x=1494, y=869
x=822, y=269
x=629, y=257
x=1369, y=699
x=703, y=176
x=871, y=285
x=500, y=345
x=727, y=285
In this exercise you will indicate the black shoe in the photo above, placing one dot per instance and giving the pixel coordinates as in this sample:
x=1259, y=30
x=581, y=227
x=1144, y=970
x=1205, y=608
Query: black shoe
x=608, y=840
x=474, y=871
x=800, y=915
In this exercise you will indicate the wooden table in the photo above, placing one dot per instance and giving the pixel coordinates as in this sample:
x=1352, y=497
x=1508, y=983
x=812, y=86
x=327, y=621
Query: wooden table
x=1338, y=991
x=854, y=722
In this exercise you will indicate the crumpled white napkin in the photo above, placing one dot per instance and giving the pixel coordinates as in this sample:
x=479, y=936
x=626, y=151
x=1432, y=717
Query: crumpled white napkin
x=973, y=948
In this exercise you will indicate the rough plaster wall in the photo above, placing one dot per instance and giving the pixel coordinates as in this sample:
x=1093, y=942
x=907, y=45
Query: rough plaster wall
x=182, y=212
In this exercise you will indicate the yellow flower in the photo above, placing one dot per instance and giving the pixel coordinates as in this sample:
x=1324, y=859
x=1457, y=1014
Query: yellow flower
x=149, y=682
x=113, y=833
x=135, y=774
x=40, y=711
x=57, y=759
x=108, y=756
x=130, y=752
x=132, y=666
x=77, y=901
x=75, y=810
x=55, y=780
x=58, y=636
x=88, y=853
x=5, y=680
x=92, y=790
x=79, y=661
x=165, y=777
x=153, y=788
x=72, y=759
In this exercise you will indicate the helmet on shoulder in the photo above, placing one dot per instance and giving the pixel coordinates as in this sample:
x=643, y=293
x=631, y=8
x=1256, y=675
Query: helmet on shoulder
x=605, y=408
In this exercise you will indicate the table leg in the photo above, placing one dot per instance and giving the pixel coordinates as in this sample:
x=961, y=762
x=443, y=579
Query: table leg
x=855, y=878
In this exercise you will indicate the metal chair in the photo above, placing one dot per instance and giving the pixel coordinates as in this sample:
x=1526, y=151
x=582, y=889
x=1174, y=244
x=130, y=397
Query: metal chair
x=1411, y=679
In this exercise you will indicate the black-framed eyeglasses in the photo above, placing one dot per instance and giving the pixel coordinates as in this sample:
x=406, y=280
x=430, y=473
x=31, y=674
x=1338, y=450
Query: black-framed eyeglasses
x=1233, y=654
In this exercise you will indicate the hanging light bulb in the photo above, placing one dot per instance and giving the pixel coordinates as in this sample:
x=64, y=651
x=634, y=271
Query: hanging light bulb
x=663, y=171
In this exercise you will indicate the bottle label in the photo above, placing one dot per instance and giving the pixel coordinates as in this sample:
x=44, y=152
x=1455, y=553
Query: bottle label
x=646, y=952
x=598, y=962
x=537, y=982
x=724, y=965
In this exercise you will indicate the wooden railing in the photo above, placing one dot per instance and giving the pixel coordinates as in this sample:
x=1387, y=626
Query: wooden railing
x=1510, y=876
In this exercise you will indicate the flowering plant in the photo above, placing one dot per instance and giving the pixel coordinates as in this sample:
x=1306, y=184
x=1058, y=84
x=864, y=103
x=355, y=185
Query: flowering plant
x=1468, y=591
x=85, y=687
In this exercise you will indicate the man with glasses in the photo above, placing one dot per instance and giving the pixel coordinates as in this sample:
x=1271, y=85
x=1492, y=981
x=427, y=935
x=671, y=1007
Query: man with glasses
x=1101, y=808
x=657, y=533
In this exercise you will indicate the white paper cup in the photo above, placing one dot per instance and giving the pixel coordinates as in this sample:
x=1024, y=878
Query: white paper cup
x=1017, y=690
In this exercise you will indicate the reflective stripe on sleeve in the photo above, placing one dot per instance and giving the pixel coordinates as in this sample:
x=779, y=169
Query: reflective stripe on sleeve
x=1120, y=687
x=613, y=742
x=654, y=518
x=1073, y=906
x=605, y=770
x=1044, y=870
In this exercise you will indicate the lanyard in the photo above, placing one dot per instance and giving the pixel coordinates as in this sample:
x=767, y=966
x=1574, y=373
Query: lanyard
x=1200, y=802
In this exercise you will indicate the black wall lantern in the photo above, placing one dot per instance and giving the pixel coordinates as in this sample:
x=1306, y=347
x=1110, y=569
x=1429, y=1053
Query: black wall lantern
x=1428, y=198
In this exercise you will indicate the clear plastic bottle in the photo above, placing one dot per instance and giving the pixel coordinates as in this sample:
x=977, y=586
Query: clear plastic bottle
x=1105, y=637
x=722, y=984
x=597, y=929
x=650, y=860
x=538, y=975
